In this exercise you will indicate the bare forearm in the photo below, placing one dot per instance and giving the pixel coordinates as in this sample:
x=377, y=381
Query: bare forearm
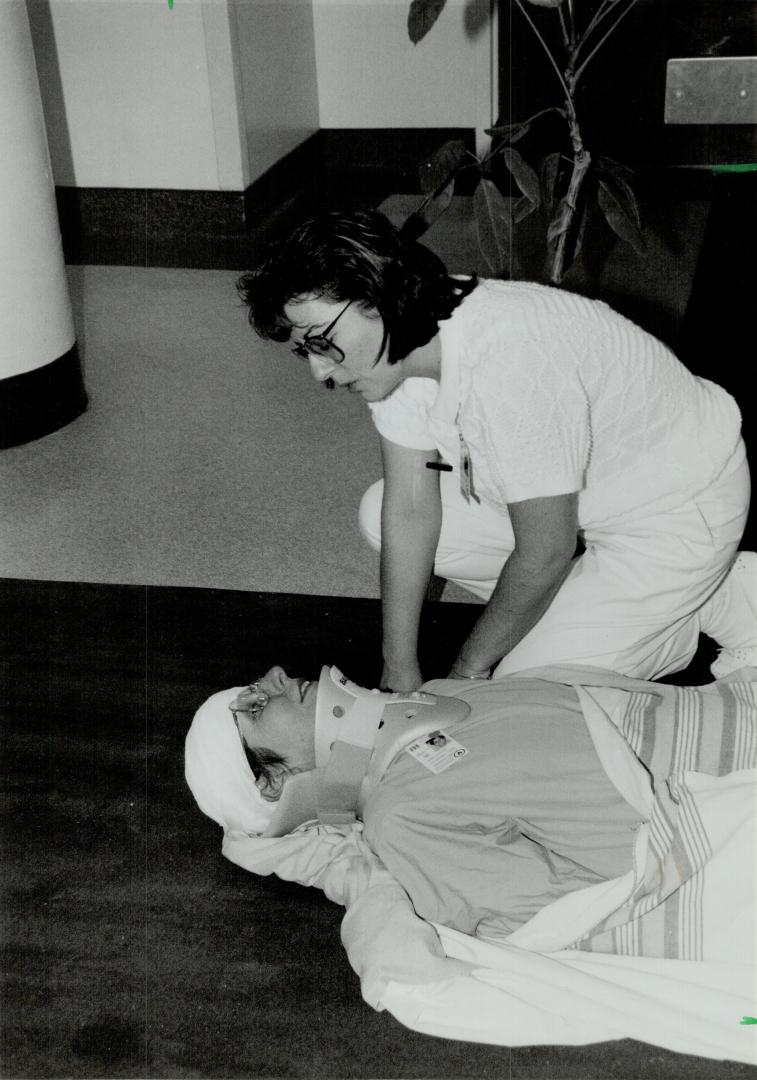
x=407, y=559
x=524, y=591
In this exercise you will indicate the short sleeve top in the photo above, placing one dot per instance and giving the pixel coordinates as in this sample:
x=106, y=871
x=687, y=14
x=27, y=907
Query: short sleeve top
x=551, y=393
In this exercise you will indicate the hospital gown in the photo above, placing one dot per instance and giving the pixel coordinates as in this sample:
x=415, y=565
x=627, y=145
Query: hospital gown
x=527, y=815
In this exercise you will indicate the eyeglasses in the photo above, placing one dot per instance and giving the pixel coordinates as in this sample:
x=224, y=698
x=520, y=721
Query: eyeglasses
x=251, y=701
x=321, y=345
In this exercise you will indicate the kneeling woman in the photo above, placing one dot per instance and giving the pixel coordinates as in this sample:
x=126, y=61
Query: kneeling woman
x=515, y=418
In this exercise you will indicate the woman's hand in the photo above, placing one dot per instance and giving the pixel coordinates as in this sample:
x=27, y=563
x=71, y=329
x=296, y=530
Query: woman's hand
x=403, y=679
x=460, y=671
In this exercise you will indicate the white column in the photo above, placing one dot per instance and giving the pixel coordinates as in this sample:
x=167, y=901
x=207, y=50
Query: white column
x=36, y=323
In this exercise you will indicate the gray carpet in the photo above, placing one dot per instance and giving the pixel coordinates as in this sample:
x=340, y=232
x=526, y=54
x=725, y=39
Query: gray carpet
x=206, y=458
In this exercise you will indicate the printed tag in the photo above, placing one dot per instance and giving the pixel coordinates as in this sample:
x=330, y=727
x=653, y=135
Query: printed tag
x=466, y=471
x=436, y=751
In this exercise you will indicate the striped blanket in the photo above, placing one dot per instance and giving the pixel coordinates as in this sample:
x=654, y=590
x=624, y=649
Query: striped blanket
x=674, y=732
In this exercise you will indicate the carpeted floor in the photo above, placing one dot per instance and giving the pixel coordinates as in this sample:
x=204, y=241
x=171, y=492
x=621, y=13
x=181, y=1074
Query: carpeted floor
x=131, y=947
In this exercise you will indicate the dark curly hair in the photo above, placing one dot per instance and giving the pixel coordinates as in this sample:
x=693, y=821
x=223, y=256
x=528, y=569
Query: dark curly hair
x=270, y=768
x=355, y=255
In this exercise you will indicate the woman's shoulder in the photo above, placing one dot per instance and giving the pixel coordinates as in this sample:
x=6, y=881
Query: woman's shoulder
x=402, y=417
x=494, y=297
x=498, y=311
x=526, y=311
x=532, y=293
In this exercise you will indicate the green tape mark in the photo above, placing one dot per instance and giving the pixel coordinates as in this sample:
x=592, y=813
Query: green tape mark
x=727, y=169
x=748, y=1020
x=170, y=5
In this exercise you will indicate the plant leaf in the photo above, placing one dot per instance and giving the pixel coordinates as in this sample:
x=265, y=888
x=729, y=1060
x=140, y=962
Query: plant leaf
x=548, y=172
x=437, y=179
x=422, y=16
x=614, y=168
x=440, y=168
x=525, y=177
x=618, y=204
x=494, y=224
x=522, y=208
x=619, y=178
x=427, y=213
x=511, y=133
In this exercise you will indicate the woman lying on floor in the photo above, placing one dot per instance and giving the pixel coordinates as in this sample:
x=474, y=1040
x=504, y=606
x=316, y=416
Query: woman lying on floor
x=561, y=857
x=487, y=806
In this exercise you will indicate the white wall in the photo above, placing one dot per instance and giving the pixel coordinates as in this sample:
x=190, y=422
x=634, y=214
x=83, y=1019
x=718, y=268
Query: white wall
x=205, y=96
x=370, y=75
x=126, y=92
x=278, y=87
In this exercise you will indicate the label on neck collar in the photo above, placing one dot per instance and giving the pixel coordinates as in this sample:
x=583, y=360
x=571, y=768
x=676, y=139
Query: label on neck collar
x=436, y=751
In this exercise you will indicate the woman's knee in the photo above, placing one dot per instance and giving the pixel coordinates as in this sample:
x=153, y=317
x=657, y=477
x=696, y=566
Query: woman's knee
x=369, y=514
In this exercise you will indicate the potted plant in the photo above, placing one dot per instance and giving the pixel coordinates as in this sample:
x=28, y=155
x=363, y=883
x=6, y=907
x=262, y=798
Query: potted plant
x=567, y=183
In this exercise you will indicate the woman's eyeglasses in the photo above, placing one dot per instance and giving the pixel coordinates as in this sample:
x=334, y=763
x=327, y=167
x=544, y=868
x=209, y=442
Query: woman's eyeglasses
x=321, y=345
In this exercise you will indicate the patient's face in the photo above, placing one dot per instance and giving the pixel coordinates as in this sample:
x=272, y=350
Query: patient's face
x=287, y=723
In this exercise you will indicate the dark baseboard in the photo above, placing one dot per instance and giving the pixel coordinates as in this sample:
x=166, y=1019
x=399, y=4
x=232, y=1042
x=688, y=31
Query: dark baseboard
x=224, y=229
x=36, y=403
x=134, y=227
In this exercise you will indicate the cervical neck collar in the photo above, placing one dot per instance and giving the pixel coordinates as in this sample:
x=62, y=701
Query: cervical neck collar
x=354, y=727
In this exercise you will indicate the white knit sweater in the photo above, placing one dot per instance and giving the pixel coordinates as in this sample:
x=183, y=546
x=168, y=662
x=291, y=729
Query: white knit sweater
x=554, y=393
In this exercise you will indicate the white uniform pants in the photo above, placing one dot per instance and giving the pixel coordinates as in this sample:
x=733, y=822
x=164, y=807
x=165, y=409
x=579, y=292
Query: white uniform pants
x=637, y=599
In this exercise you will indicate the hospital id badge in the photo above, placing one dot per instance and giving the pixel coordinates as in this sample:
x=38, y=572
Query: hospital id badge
x=466, y=470
x=436, y=751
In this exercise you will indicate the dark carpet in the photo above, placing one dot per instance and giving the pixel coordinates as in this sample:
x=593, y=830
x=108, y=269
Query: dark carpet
x=131, y=947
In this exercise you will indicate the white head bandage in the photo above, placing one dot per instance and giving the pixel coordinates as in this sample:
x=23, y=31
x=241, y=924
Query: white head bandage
x=217, y=770
x=216, y=766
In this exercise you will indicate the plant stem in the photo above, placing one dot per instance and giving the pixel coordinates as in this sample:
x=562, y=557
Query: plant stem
x=581, y=163
x=544, y=45
x=602, y=40
x=571, y=25
x=601, y=12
